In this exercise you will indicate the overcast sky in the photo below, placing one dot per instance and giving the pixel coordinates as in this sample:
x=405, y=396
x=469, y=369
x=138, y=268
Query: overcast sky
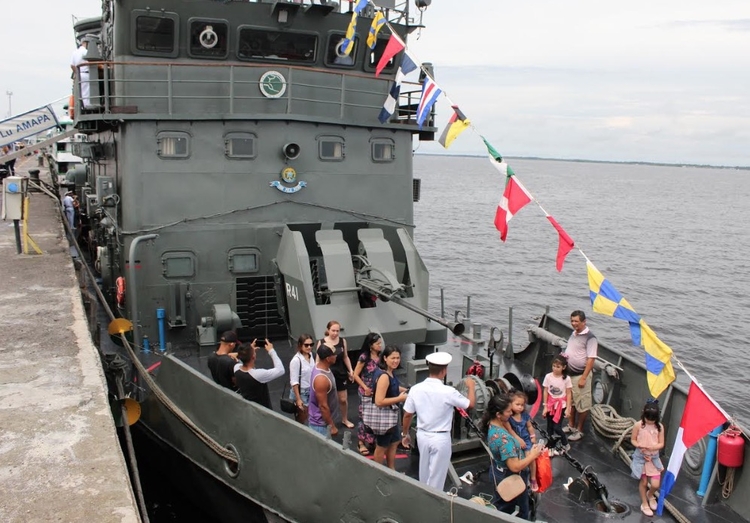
x=660, y=81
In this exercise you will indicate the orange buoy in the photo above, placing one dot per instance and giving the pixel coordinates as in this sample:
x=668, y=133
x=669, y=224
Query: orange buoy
x=72, y=107
x=120, y=283
x=731, y=448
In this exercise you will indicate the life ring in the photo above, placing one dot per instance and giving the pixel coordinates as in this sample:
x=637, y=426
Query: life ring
x=72, y=107
x=120, y=284
x=339, y=49
x=208, y=37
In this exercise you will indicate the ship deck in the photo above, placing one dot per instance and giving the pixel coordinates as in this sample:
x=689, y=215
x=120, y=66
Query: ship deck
x=556, y=504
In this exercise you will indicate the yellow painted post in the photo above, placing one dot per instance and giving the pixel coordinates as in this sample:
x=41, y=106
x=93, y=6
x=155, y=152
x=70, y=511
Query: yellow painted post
x=26, y=238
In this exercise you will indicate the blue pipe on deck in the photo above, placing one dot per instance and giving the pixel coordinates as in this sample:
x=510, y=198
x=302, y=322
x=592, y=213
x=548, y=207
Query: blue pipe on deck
x=708, y=463
x=146, y=346
x=160, y=315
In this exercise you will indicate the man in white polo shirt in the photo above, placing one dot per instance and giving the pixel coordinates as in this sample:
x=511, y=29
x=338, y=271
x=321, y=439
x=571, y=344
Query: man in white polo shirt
x=581, y=353
x=433, y=403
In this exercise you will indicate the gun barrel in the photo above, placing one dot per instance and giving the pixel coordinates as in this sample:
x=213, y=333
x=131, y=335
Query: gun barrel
x=455, y=328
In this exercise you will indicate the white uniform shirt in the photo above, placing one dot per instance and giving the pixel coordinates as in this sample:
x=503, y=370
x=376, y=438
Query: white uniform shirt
x=433, y=403
x=78, y=58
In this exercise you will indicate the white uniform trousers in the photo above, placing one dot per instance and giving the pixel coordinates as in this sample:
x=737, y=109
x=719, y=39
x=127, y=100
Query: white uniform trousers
x=434, y=457
x=85, y=89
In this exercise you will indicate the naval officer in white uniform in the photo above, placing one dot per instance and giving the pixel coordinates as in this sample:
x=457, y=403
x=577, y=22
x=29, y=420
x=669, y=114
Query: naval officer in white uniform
x=433, y=402
x=82, y=71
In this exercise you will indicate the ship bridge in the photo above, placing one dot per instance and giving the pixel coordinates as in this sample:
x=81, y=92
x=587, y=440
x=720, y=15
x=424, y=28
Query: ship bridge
x=212, y=60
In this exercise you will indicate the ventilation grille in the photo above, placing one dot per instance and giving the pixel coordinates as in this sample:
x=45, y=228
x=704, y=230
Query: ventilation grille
x=258, y=309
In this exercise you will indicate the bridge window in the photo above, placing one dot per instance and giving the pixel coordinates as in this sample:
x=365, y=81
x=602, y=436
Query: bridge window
x=383, y=150
x=239, y=145
x=155, y=33
x=262, y=44
x=373, y=57
x=334, y=54
x=331, y=148
x=172, y=144
x=209, y=38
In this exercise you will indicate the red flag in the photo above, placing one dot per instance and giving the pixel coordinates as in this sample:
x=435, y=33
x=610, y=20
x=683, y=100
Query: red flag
x=395, y=45
x=565, y=245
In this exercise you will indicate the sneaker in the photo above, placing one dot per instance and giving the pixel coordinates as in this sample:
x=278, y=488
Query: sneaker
x=575, y=435
x=567, y=429
x=565, y=448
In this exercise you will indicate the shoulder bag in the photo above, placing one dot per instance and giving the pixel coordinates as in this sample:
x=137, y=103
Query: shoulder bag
x=380, y=420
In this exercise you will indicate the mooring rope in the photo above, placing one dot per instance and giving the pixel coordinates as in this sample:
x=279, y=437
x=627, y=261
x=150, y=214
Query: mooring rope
x=155, y=389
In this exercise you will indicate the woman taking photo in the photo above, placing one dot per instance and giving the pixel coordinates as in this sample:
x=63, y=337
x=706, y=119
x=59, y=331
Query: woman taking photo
x=367, y=364
x=387, y=395
x=300, y=368
x=341, y=369
x=508, y=458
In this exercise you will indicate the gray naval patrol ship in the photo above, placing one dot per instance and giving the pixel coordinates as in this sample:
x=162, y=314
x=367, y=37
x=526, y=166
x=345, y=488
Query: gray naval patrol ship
x=237, y=177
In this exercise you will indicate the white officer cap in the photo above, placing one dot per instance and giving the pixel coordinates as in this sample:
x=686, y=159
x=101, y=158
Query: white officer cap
x=439, y=358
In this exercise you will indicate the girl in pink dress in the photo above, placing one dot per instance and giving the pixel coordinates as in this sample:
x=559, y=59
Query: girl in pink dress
x=648, y=439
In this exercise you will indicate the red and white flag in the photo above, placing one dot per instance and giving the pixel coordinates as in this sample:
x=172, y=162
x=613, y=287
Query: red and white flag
x=515, y=195
x=701, y=416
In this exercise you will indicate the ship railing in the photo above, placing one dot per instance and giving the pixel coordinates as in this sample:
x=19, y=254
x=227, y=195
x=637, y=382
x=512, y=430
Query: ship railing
x=149, y=90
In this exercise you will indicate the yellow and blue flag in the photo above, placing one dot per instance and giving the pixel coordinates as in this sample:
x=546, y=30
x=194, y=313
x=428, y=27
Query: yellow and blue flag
x=347, y=45
x=377, y=24
x=659, y=371
x=605, y=299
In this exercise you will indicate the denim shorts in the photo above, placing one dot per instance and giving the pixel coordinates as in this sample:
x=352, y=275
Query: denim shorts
x=303, y=393
x=389, y=438
x=320, y=429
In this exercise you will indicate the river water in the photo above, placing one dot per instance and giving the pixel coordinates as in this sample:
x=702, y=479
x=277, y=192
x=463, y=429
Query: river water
x=671, y=239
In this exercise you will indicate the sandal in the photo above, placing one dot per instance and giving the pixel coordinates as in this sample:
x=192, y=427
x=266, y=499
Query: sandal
x=363, y=450
x=348, y=424
x=652, y=503
x=646, y=510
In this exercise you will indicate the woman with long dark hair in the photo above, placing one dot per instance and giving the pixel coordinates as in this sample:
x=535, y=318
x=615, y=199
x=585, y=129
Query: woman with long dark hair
x=508, y=457
x=367, y=364
x=300, y=368
x=388, y=394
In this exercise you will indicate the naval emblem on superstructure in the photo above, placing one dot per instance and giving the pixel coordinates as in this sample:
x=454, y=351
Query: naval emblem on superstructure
x=289, y=176
x=272, y=84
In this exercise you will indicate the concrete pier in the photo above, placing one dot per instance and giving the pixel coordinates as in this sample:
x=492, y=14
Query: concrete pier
x=60, y=459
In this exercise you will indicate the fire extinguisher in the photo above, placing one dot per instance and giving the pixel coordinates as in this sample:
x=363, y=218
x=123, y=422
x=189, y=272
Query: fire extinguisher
x=731, y=454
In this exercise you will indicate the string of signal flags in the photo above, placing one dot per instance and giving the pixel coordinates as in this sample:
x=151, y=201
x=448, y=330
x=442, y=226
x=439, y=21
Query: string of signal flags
x=605, y=299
